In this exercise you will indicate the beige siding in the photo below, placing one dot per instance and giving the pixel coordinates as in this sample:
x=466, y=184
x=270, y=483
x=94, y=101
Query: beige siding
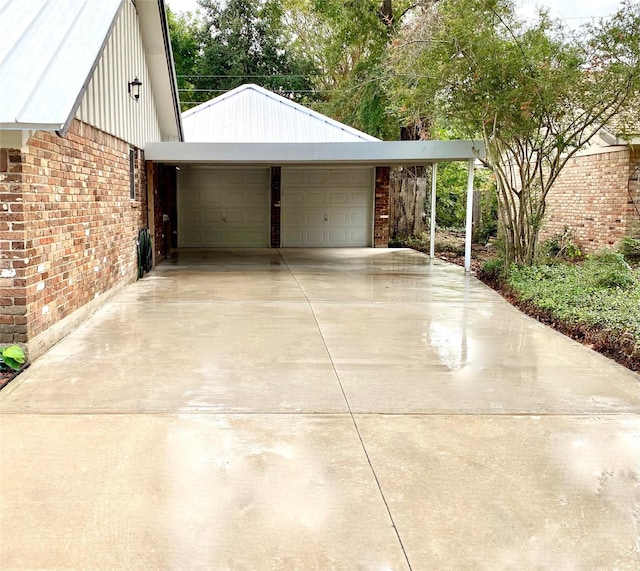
x=107, y=104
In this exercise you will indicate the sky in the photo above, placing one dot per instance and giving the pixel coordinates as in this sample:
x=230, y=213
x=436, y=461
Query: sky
x=575, y=12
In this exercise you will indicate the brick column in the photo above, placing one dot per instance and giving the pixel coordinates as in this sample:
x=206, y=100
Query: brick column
x=14, y=251
x=276, y=178
x=381, y=208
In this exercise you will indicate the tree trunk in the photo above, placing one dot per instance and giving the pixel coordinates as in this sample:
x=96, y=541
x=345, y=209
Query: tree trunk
x=410, y=190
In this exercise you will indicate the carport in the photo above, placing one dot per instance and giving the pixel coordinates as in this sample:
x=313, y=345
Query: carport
x=357, y=220
x=258, y=170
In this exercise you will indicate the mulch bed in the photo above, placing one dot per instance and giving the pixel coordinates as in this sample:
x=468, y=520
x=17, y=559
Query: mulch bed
x=7, y=375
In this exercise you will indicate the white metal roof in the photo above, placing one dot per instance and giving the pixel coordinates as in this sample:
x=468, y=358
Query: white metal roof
x=48, y=50
x=252, y=114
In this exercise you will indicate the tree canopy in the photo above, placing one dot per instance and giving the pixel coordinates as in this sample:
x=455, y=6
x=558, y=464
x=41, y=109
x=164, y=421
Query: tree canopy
x=534, y=92
x=233, y=43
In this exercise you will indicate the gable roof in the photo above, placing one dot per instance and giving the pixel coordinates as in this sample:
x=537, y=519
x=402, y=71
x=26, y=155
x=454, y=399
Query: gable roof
x=252, y=114
x=49, y=50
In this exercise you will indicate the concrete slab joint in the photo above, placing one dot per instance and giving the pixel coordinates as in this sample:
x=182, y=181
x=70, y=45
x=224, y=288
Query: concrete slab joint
x=351, y=408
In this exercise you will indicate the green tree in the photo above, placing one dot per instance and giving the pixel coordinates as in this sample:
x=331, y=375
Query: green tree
x=534, y=92
x=347, y=43
x=247, y=42
x=188, y=35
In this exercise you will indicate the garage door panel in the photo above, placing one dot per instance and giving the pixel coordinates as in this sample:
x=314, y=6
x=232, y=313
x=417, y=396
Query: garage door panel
x=192, y=198
x=235, y=197
x=193, y=236
x=317, y=177
x=323, y=207
x=313, y=218
x=359, y=198
x=337, y=198
x=233, y=217
x=315, y=198
x=338, y=178
x=209, y=217
x=295, y=197
x=255, y=178
x=255, y=198
x=223, y=207
x=293, y=218
x=193, y=218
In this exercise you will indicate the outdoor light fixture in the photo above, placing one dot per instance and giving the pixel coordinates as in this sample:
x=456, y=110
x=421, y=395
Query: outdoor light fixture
x=134, y=89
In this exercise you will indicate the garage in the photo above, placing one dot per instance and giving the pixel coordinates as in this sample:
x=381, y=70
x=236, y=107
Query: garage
x=257, y=170
x=220, y=207
x=325, y=207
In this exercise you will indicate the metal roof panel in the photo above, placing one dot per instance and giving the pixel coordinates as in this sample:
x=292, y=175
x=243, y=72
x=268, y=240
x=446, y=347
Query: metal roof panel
x=252, y=114
x=48, y=49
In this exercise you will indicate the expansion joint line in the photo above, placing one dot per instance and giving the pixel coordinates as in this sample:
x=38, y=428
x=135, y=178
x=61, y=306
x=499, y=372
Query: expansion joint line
x=353, y=420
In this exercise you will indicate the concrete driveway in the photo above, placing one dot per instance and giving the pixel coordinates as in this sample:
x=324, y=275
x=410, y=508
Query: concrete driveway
x=318, y=409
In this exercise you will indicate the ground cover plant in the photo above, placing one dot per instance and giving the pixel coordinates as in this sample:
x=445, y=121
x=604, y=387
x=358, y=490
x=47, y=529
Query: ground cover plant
x=596, y=301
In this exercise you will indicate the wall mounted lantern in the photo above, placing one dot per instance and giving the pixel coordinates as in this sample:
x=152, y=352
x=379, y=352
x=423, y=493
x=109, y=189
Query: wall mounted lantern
x=134, y=89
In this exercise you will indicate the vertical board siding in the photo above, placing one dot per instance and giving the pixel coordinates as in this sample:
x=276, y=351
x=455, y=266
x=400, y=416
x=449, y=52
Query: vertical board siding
x=106, y=103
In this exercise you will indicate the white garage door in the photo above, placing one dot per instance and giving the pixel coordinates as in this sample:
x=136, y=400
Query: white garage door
x=326, y=207
x=223, y=208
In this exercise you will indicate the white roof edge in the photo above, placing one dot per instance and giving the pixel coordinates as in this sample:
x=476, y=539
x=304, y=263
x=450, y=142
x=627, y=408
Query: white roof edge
x=31, y=126
x=381, y=153
x=284, y=101
x=154, y=29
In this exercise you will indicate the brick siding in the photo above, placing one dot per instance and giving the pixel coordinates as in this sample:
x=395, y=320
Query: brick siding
x=276, y=197
x=69, y=228
x=381, y=208
x=593, y=197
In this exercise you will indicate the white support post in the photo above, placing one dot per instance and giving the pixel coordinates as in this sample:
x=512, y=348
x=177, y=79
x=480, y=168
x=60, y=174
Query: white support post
x=469, y=225
x=432, y=225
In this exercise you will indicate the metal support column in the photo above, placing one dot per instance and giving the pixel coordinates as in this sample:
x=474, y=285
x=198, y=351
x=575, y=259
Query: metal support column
x=432, y=225
x=469, y=226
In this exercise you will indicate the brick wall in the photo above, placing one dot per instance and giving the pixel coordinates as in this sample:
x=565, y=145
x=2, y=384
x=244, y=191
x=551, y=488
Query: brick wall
x=71, y=228
x=592, y=198
x=13, y=297
x=276, y=197
x=381, y=208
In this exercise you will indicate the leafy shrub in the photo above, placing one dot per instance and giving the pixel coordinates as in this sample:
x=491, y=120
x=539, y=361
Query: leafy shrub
x=493, y=269
x=561, y=246
x=12, y=357
x=630, y=248
x=608, y=270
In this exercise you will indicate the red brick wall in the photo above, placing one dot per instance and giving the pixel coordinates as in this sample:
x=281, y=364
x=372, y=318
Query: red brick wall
x=72, y=226
x=381, y=208
x=13, y=302
x=592, y=198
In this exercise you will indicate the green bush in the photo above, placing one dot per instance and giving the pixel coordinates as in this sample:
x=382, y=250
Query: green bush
x=608, y=270
x=561, y=246
x=493, y=269
x=630, y=248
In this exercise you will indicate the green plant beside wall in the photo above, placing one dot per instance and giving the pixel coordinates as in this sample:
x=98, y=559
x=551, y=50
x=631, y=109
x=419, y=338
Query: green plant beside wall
x=629, y=247
x=12, y=357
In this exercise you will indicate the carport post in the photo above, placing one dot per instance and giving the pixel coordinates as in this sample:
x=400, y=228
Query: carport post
x=469, y=226
x=432, y=226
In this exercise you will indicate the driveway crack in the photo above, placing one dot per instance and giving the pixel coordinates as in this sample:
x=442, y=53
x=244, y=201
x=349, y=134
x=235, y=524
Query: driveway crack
x=353, y=419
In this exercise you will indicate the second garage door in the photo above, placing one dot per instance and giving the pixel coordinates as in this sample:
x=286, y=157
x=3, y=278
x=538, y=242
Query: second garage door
x=223, y=208
x=327, y=207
